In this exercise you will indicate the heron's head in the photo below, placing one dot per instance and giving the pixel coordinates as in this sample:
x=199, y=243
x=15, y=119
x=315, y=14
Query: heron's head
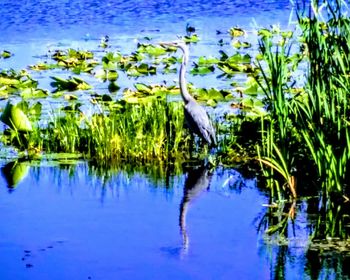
x=177, y=44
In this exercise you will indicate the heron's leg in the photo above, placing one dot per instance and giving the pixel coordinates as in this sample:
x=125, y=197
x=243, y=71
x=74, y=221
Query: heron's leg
x=193, y=145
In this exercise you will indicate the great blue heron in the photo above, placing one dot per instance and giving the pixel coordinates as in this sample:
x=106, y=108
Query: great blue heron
x=195, y=115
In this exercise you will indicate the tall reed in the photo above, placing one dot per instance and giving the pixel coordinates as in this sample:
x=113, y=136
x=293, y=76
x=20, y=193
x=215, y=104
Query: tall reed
x=311, y=126
x=324, y=113
x=274, y=152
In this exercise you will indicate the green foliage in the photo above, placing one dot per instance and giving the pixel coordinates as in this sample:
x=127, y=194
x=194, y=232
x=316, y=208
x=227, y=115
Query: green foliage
x=15, y=118
x=131, y=132
x=236, y=32
x=5, y=54
x=323, y=115
x=71, y=84
x=307, y=127
x=277, y=147
x=12, y=82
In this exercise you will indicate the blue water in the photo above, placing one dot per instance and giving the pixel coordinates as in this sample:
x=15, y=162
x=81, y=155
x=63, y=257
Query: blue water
x=69, y=224
x=76, y=222
x=26, y=20
x=31, y=28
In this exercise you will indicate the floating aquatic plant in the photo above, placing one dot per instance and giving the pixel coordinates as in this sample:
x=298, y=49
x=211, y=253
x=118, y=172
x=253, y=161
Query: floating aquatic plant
x=71, y=84
x=5, y=54
x=15, y=118
x=236, y=32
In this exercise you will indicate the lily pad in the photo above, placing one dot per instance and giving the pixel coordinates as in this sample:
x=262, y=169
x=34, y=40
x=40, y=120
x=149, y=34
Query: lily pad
x=72, y=84
x=204, y=61
x=252, y=87
x=5, y=54
x=110, y=60
x=113, y=87
x=151, y=50
x=239, y=58
x=236, y=32
x=42, y=66
x=191, y=38
x=143, y=88
x=212, y=103
x=15, y=118
x=77, y=60
x=34, y=93
x=209, y=94
x=110, y=75
x=202, y=70
x=63, y=157
x=265, y=33
x=141, y=70
x=239, y=44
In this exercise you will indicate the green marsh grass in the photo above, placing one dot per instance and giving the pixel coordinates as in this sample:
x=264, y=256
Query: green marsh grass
x=306, y=133
x=275, y=150
x=310, y=128
x=152, y=130
x=323, y=116
x=133, y=132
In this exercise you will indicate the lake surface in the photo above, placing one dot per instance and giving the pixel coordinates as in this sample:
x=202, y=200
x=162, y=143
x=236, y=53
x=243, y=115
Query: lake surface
x=25, y=20
x=29, y=28
x=75, y=222
x=69, y=223
x=79, y=222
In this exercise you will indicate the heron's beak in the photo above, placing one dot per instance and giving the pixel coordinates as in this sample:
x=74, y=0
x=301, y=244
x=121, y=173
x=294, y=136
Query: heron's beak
x=166, y=44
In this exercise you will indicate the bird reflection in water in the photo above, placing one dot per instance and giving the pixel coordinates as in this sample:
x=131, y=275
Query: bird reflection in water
x=197, y=181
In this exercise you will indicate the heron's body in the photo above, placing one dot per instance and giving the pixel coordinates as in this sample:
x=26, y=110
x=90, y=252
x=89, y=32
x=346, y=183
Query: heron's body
x=199, y=122
x=195, y=115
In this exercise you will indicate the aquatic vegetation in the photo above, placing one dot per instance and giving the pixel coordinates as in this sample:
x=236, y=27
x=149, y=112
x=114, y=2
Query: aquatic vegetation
x=236, y=32
x=71, y=84
x=110, y=60
x=104, y=75
x=5, y=54
x=15, y=118
x=323, y=114
x=77, y=61
x=12, y=82
x=277, y=144
x=311, y=123
x=235, y=64
x=193, y=38
x=151, y=50
x=202, y=70
x=143, y=131
x=239, y=44
x=305, y=132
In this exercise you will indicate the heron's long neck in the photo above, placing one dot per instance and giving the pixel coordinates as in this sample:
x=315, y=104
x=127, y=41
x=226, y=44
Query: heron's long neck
x=182, y=79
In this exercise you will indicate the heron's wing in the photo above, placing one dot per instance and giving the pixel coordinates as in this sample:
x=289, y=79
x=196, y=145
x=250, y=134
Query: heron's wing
x=199, y=122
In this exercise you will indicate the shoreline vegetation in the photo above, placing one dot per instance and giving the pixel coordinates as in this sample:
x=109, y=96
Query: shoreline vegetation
x=288, y=120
